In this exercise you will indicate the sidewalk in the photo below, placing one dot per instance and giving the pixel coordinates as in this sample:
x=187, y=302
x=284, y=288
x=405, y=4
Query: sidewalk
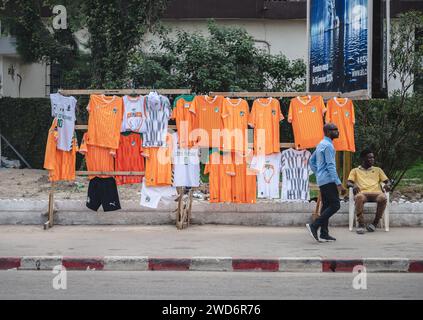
x=218, y=246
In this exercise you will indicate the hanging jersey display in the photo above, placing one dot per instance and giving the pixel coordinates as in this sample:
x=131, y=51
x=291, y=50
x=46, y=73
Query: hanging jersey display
x=220, y=169
x=295, y=175
x=185, y=120
x=244, y=185
x=268, y=176
x=105, y=120
x=156, y=122
x=186, y=165
x=265, y=118
x=63, y=108
x=235, y=114
x=103, y=192
x=133, y=114
x=306, y=116
x=208, y=111
x=129, y=158
x=151, y=196
x=97, y=158
x=340, y=111
x=158, y=164
x=60, y=164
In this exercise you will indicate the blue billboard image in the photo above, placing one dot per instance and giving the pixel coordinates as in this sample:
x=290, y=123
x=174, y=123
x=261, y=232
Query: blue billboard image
x=338, y=42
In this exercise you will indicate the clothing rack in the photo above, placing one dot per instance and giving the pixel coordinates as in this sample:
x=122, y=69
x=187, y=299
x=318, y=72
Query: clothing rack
x=184, y=210
x=66, y=92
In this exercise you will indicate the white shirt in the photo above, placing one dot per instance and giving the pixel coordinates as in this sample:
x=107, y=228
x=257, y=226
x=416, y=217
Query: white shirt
x=269, y=170
x=295, y=175
x=186, y=165
x=156, y=123
x=151, y=196
x=63, y=108
x=133, y=114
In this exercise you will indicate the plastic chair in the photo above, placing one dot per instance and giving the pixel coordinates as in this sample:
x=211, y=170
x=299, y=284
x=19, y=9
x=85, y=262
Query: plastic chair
x=351, y=211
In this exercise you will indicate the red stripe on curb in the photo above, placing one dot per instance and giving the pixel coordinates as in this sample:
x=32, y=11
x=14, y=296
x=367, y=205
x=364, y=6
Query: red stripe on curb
x=72, y=263
x=416, y=266
x=169, y=264
x=7, y=263
x=255, y=264
x=340, y=265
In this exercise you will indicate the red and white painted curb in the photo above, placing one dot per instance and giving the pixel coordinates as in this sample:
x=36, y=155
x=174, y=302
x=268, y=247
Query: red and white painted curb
x=140, y=263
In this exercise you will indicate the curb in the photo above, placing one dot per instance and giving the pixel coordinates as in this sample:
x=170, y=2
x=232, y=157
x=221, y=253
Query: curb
x=225, y=264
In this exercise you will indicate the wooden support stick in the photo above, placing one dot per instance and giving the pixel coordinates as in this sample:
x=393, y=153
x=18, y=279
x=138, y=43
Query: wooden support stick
x=110, y=173
x=85, y=127
x=123, y=91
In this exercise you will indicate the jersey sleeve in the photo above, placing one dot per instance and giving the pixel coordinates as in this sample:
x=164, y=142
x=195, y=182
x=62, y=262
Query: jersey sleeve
x=174, y=114
x=193, y=106
x=50, y=156
x=225, y=111
x=291, y=111
x=252, y=116
x=352, y=113
x=328, y=114
x=83, y=147
x=278, y=110
x=322, y=105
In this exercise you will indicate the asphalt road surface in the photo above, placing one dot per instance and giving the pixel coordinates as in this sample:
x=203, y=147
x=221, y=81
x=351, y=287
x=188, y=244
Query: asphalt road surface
x=206, y=285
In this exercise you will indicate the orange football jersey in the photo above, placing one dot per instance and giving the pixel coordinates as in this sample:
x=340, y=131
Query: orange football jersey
x=97, y=158
x=105, y=120
x=129, y=158
x=158, y=164
x=265, y=118
x=244, y=186
x=220, y=169
x=306, y=115
x=185, y=122
x=340, y=111
x=60, y=164
x=208, y=111
x=235, y=114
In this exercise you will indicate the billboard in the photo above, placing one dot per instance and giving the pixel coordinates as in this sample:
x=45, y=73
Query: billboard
x=339, y=42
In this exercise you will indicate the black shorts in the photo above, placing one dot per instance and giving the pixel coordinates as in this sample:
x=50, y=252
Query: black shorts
x=103, y=191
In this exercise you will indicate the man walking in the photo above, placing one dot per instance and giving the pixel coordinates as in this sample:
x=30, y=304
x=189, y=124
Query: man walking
x=323, y=164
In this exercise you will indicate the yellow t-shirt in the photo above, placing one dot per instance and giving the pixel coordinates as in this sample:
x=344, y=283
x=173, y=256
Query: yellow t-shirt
x=368, y=180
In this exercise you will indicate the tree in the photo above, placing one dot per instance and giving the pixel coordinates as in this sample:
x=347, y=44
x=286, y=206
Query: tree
x=224, y=60
x=392, y=127
x=116, y=28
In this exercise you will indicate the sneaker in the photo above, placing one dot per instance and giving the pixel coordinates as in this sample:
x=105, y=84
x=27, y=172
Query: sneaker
x=361, y=230
x=327, y=238
x=371, y=227
x=313, y=231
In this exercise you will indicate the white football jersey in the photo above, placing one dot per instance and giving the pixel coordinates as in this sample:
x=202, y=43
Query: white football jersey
x=295, y=175
x=133, y=114
x=63, y=108
x=186, y=165
x=269, y=170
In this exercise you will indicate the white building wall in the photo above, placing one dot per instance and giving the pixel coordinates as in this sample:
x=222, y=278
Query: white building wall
x=33, y=81
x=286, y=36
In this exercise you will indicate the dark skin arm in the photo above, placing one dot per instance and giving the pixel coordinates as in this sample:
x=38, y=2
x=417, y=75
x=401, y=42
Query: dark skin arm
x=387, y=185
x=351, y=184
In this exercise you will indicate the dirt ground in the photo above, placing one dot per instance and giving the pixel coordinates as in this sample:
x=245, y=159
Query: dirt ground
x=34, y=184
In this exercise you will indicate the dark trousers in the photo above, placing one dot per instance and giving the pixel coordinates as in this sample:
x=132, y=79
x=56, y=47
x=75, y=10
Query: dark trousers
x=330, y=205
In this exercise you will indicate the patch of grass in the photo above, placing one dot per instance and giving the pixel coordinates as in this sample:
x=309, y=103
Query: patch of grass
x=413, y=176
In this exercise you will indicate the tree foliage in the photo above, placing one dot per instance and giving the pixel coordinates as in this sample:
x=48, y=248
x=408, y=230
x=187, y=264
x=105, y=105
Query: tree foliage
x=392, y=127
x=224, y=60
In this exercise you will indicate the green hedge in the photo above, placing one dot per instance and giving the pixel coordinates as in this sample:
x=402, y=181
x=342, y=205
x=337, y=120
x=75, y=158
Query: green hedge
x=24, y=122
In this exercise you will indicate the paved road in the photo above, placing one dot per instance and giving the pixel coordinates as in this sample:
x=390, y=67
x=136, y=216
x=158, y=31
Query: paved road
x=206, y=285
x=208, y=240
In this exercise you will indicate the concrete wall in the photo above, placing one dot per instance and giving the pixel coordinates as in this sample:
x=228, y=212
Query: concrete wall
x=35, y=77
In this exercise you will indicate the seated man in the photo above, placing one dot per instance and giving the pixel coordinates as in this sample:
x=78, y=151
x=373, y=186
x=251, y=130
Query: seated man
x=365, y=181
